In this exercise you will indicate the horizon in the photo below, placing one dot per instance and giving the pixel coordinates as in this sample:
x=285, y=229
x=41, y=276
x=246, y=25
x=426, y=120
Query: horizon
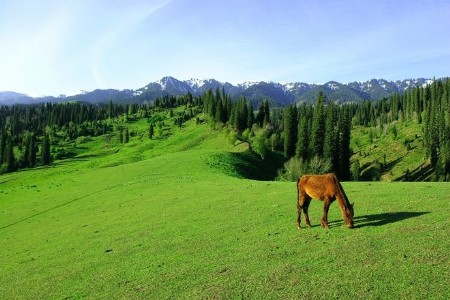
x=49, y=52
x=221, y=82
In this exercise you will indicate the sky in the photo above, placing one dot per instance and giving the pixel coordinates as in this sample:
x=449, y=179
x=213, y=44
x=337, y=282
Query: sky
x=63, y=47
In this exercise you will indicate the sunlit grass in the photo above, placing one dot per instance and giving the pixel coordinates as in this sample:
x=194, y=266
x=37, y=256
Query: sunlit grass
x=173, y=218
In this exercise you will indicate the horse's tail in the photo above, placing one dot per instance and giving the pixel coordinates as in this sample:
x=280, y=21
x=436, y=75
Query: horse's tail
x=298, y=190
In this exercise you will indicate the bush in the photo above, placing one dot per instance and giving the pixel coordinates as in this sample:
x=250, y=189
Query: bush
x=83, y=139
x=259, y=143
x=295, y=168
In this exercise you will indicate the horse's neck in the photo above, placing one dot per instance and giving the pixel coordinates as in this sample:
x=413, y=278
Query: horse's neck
x=342, y=199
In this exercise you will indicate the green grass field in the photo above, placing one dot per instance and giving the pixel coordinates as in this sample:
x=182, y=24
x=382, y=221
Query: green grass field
x=175, y=218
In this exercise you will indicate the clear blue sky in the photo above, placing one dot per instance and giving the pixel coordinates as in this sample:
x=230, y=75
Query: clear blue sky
x=54, y=47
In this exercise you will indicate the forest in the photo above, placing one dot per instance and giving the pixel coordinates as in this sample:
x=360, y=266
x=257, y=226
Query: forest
x=312, y=137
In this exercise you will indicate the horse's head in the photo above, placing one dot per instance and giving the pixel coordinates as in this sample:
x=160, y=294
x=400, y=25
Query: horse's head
x=348, y=215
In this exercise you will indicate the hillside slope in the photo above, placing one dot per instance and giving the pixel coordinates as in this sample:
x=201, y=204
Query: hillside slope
x=394, y=153
x=175, y=217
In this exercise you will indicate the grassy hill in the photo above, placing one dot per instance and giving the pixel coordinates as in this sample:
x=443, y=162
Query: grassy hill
x=394, y=153
x=178, y=217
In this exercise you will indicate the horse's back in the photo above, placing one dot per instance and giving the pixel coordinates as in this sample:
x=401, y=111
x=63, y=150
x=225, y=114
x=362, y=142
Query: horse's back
x=318, y=186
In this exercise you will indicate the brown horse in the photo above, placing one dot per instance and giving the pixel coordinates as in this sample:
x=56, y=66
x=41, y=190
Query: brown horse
x=326, y=188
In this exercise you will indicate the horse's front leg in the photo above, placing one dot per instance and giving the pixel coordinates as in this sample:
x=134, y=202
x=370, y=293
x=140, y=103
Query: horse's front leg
x=326, y=206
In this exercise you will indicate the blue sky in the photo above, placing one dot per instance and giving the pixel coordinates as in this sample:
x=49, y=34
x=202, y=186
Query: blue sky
x=61, y=47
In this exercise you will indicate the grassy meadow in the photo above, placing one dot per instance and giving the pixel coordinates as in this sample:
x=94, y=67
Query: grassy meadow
x=177, y=217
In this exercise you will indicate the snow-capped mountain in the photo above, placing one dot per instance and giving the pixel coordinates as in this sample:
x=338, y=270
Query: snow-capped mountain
x=279, y=94
x=283, y=93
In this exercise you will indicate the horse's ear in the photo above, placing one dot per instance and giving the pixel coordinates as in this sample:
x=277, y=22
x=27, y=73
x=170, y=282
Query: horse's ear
x=352, y=204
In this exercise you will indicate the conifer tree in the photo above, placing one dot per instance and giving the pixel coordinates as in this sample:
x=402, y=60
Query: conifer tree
x=26, y=150
x=32, y=151
x=266, y=119
x=344, y=146
x=251, y=116
x=10, y=160
x=290, y=131
x=318, y=127
x=329, y=146
x=301, y=150
x=151, y=131
x=45, y=155
x=126, y=135
x=3, y=143
x=121, y=135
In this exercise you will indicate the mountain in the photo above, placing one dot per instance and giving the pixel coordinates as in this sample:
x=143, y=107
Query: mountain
x=8, y=98
x=278, y=94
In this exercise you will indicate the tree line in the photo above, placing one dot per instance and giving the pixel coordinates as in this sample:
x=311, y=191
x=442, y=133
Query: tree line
x=314, y=135
x=318, y=134
x=28, y=132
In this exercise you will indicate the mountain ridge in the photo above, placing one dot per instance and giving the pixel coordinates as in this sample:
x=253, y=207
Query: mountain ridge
x=279, y=94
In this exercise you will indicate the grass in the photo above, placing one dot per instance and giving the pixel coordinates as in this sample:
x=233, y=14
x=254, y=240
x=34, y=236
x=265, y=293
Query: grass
x=401, y=156
x=176, y=218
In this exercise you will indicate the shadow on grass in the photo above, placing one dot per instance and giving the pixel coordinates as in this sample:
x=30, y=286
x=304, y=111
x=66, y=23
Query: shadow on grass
x=385, y=218
x=248, y=165
x=379, y=219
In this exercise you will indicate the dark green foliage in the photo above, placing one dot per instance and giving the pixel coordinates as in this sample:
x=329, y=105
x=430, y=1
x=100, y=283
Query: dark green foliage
x=263, y=115
x=10, y=159
x=45, y=151
x=126, y=135
x=151, y=131
x=329, y=146
x=240, y=112
x=3, y=144
x=251, y=116
x=290, y=130
x=301, y=150
x=356, y=169
x=32, y=150
x=344, y=131
x=318, y=127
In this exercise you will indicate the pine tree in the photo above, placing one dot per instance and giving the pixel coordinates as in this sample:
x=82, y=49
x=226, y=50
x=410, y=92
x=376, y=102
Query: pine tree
x=329, y=146
x=26, y=150
x=266, y=119
x=10, y=160
x=290, y=131
x=45, y=155
x=121, y=135
x=344, y=146
x=263, y=115
x=126, y=135
x=318, y=127
x=301, y=150
x=32, y=151
x=3, y=143
x=251, y=116
x=151, y=131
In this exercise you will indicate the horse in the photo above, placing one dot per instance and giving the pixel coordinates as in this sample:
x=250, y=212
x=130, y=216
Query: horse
x=326, y=188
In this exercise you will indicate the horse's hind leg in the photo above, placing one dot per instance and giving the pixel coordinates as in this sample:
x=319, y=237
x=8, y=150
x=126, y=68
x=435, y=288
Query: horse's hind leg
x=326, y=206
x=299, y=212
x=305, y=210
